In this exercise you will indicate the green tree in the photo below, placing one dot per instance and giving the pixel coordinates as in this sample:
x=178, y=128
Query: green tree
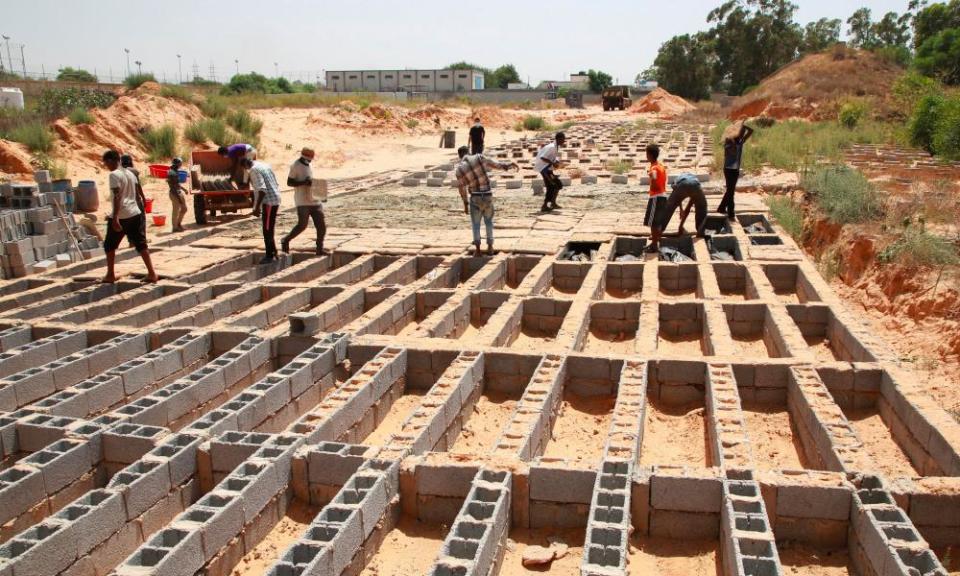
x=69, y=74
x=893, y=30
x=752, y=39
x=503, y=76
x=683, y=66
x=860, y=29
x=820, y=35
x=936, y=37
x=599, y=80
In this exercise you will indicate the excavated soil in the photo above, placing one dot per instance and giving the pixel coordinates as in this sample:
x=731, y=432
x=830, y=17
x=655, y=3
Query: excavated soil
x=393, y=422
x=776, y=445
x=879, y=444
x=804, y=560
x=287, y=531
x=519, y=539
x=490, y=415
x=674, y=435
x=581, y=429
x=669, y=557
x=410, y=548
x=662, y=103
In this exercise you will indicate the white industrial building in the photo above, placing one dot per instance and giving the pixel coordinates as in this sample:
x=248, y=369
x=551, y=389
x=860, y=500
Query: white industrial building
x=405, y=80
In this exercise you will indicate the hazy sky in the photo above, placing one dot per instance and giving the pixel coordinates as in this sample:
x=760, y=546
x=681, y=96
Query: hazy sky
x=545, y=40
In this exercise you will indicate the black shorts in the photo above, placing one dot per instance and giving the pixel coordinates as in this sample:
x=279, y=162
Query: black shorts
x=656, y=212
x=129, y=227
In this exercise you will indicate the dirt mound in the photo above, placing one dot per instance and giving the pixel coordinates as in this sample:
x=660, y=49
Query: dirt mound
x=14, y=159
x=119, y=126
x=662, y=102
x=814, y=87
x=491, y=117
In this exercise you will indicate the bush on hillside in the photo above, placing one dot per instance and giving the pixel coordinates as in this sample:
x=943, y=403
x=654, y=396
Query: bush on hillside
x=161, y=143
x=136, y=80
x=935, y=125
x=842, y=193
x=788, y=214
x=852, y=113
x=81, y=116
x=69, y=74
x=34, y=135
x=58, y=102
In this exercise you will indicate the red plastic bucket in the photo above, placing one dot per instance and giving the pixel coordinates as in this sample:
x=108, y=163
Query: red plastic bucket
x=159, y=219
x=148, y=205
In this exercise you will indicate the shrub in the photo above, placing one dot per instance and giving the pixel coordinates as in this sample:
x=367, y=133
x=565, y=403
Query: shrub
x=177, y=93
x=213, y=107
x=34, y=135
x=842, y=193
x=917, y=247
x=136, y=80
x=195, y=132
x=217, y=132
x=946, y=136
x=788, y=214
x=161, y=142
x=69, y=74
x=533, y=123
x=851, y=113
x=923, y=122
x=57, y=168
x=412, y=123
x=620, y=166
x=911, y=87
x=246, y=125
x=57, y=102
x=81, y=116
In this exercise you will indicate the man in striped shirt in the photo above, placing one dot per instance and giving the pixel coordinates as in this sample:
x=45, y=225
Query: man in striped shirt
x=472, y=180
x=267, y=193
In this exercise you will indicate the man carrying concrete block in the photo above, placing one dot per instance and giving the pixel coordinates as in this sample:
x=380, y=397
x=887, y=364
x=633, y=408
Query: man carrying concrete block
x=308, y=206
x=473, y=181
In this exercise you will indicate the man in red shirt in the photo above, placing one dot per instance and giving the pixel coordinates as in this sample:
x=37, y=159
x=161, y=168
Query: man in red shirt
x=657, y=204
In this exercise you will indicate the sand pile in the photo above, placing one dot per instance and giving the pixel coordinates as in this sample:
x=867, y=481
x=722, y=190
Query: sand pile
x=663, y=103
x=815, y=86
x=14, y=159
x=119, y=126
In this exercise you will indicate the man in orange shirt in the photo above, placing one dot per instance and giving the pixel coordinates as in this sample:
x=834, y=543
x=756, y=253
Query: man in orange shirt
x=657, y=204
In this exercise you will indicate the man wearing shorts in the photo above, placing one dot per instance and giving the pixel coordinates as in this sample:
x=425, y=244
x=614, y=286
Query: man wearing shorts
x=657, y=204
x=178, y=201
x=124, y=219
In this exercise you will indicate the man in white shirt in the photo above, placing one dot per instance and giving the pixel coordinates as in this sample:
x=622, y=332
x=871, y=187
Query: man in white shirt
x=308, y=207
x=267, y=193
x=124, y=218
x=548, y=157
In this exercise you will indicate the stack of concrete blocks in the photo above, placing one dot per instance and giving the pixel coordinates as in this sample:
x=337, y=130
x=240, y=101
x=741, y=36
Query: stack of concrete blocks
x=321, y=470
x=528, y=431
x=34, y=239
x=887, y=541
x=15, y=336
x=608, y=527
x=474, y=544
x=749, y=546
x=335, y=539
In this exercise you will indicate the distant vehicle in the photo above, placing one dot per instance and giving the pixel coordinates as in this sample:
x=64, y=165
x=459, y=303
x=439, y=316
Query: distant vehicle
x=616, y=98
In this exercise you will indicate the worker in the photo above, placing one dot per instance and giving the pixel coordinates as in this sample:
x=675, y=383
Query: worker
x=473, y=182
x=686, y=186
x=734, y=137
x=124, y=219
x=308, y=207
x=178, y=200
x=477, y=135
x=126, y=162
x=267, y=191
x=237, y=153
x=548, y=157
x=657, y=202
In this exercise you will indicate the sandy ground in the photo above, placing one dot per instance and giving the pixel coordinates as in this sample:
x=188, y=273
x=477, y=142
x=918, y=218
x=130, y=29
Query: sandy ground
x=674, y=435
x=666, y=557
x=879, y=443
x=519, y=539
x=802, y=560
x=600, y=342
x=532, y=340
x=259, y=560
x=491, y=413
x=615, y=294
x=822, y=349
x=686, y=346
x=581, y=429
x=775, y=442
x=751, y=346
x=401, y=409
x=410, y=548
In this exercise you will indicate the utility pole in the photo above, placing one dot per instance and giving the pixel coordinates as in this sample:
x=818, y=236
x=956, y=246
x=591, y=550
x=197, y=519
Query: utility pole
x=6, y=39
x=179, y=70
x=139, y=67
x=237, y=62
x=23, y=61
x=127, y=50
x=276, y=70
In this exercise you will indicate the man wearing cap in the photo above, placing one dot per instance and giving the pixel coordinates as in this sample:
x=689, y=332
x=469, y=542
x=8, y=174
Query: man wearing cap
x=308, y=207
x=472, y=180
x=548, y=157
x=177, y=199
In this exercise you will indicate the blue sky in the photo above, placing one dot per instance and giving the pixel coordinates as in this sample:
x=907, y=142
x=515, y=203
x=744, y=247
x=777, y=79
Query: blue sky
x=545, y=40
